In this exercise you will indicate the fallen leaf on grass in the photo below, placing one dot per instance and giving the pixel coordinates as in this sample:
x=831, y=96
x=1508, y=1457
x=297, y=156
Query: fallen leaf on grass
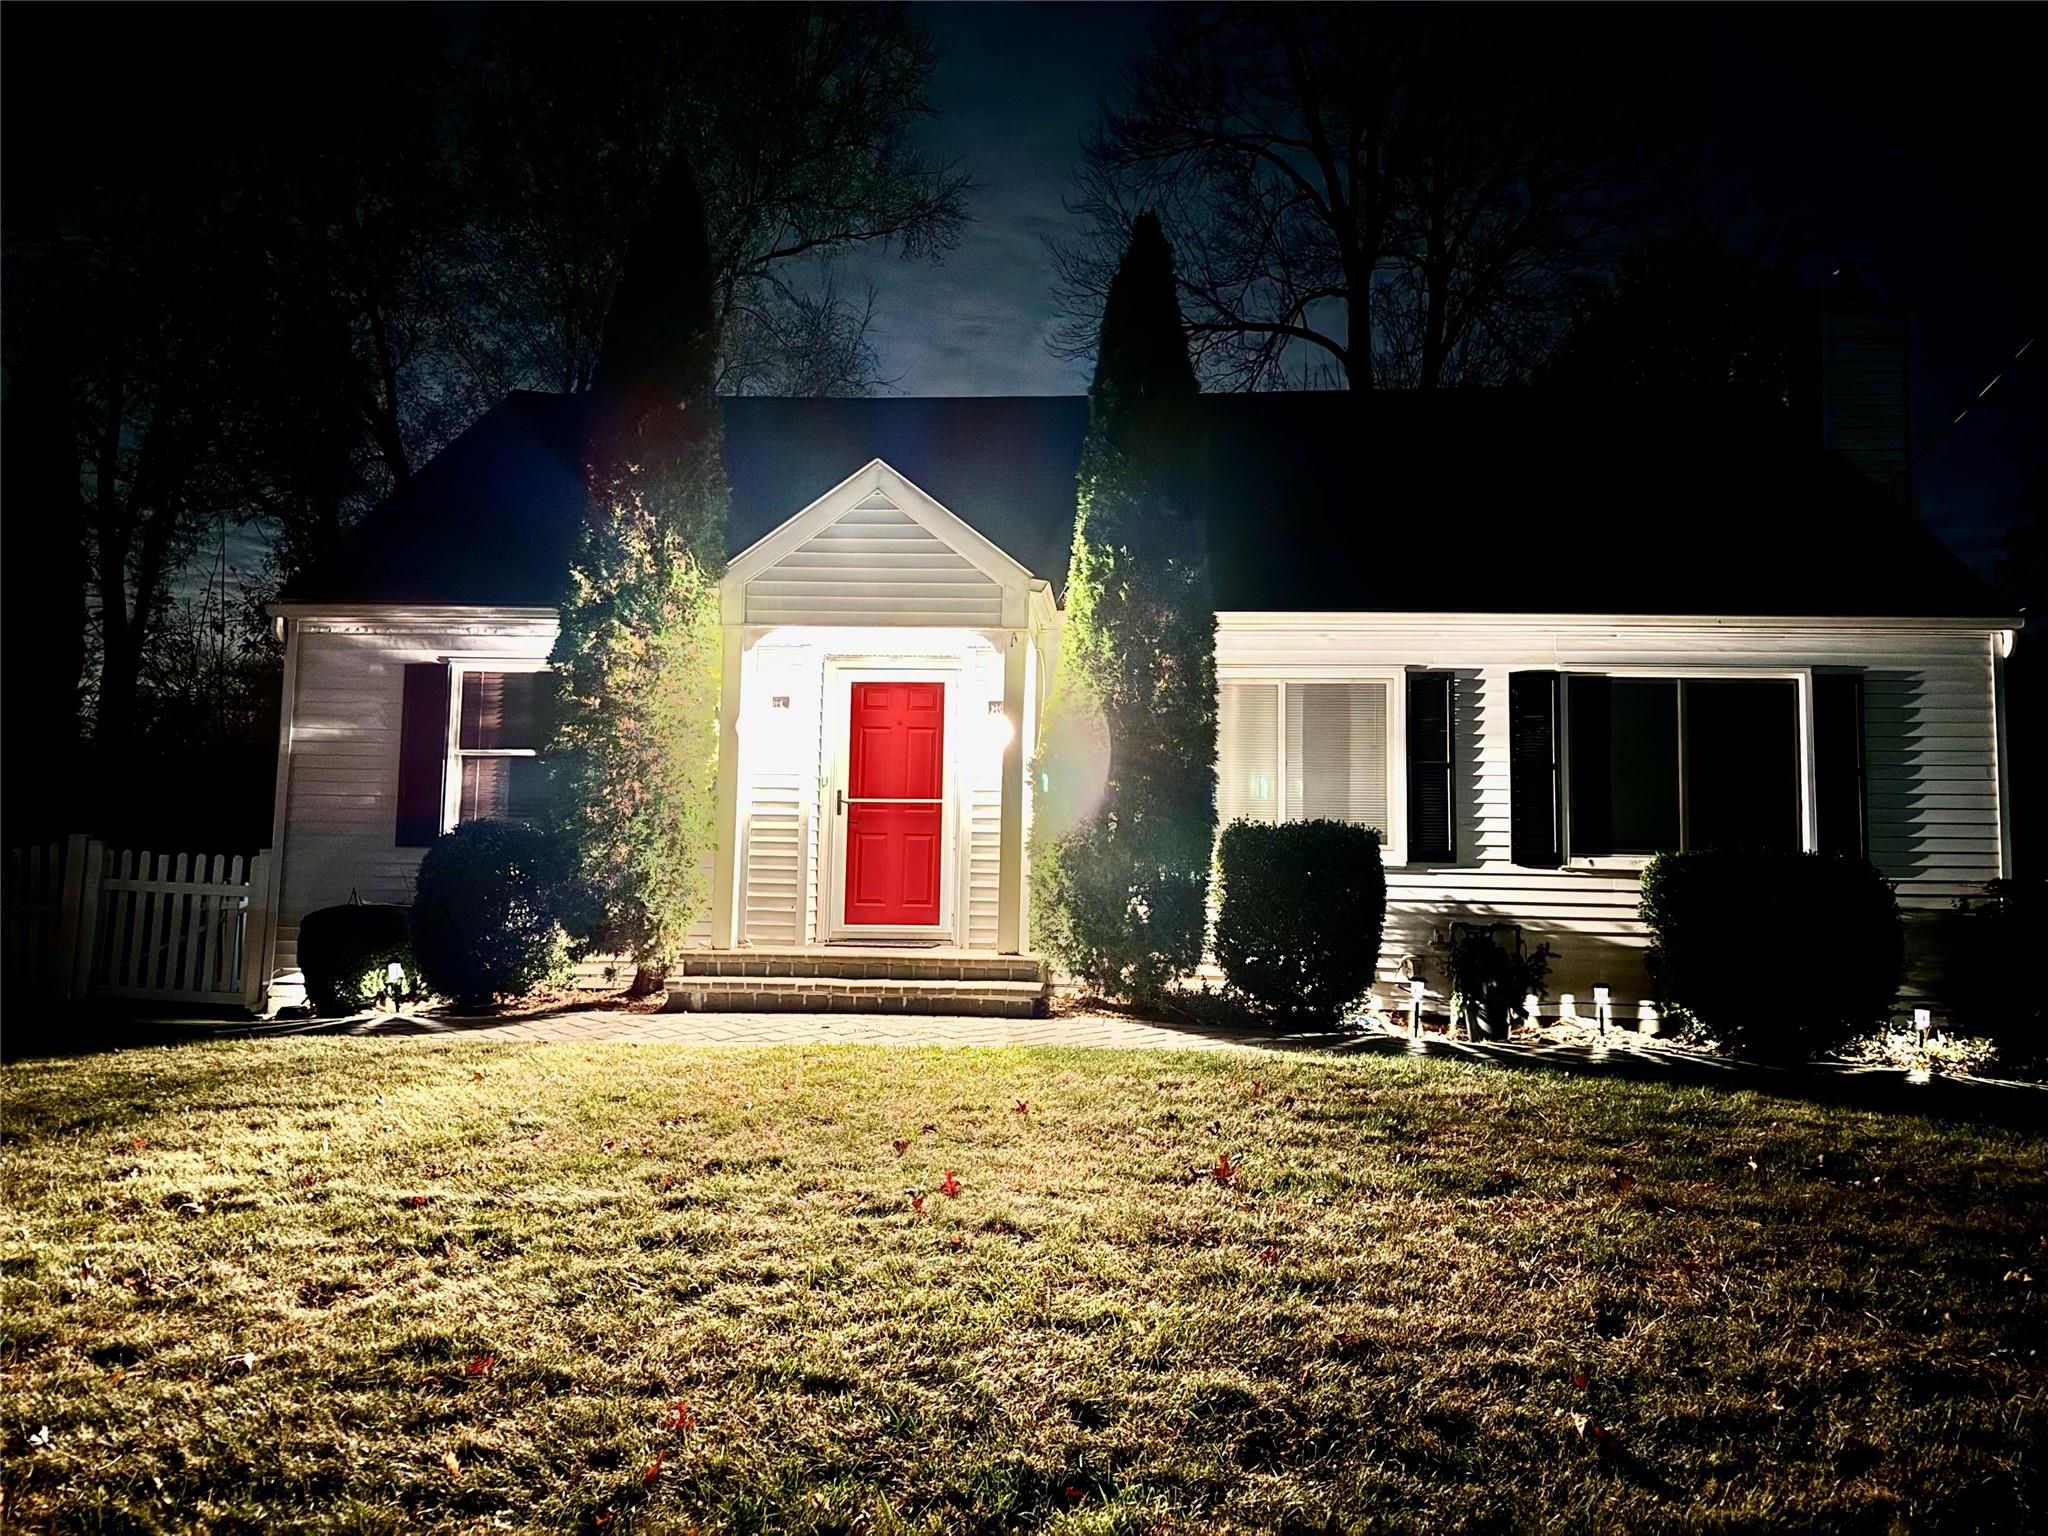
x=681, y=1419
x=41, y=1438
x=949, y=1186
x=415, y=1201
x=1269, y=1256
x=1225, y=1170
x=653, y=1473
x=1023, y=1106
x=900, y=1145
x=1622, y=1183
x=1580, y=1378
x=928, y=1129
x=916, y=1200
x=480, y=1365
x=448, y=1461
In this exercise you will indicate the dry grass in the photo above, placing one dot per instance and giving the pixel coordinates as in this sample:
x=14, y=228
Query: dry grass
x=370, y=1286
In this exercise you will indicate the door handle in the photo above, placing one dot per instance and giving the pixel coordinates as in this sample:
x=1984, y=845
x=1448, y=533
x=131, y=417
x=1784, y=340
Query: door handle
x=840, y=796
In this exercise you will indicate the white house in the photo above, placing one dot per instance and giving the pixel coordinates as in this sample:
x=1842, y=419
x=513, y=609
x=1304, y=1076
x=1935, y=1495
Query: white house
x=1532, y=639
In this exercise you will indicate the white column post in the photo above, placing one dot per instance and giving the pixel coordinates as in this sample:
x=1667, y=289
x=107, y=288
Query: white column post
x=725, y=861
x=1010, y=861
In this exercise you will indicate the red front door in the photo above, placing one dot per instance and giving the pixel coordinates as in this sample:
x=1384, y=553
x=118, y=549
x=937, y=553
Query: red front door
x=895, y=804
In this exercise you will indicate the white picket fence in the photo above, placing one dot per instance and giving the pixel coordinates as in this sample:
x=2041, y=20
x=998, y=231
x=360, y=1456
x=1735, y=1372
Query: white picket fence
x=83, y=920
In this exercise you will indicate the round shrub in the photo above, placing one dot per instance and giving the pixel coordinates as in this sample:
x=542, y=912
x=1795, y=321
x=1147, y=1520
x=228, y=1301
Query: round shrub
x=1775, y=955
x=347, y=952
x=487, y=915
x=1988, y=981
x=1298, y=927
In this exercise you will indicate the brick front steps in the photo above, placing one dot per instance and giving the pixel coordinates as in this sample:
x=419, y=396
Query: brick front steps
x=859, y=979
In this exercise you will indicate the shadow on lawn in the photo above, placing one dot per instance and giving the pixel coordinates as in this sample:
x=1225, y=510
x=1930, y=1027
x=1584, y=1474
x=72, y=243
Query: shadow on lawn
x=2023, y=1106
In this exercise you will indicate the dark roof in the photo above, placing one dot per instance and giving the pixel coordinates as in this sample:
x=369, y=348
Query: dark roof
x=1492, y=502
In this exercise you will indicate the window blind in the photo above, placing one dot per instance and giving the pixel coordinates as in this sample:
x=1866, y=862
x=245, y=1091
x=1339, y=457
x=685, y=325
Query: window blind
x=1248, y=752
x=1337, y=753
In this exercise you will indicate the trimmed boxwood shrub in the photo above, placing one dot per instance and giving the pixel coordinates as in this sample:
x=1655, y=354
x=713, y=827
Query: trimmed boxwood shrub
x=346, y=953
x=488, y=912
x=1990, y=971
x=1775, y=955
x=1298, y=927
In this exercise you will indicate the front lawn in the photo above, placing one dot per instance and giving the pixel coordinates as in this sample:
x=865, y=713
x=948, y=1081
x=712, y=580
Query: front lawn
x=397, y=1285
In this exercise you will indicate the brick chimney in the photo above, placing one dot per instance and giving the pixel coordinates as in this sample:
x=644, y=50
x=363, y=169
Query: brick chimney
x=1864, y=385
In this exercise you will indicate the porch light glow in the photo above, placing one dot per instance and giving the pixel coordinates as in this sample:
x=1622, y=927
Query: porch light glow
x=997, y=731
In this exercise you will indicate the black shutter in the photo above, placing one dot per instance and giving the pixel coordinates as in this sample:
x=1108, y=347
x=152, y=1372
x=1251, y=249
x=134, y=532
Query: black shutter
x=422, y=753
x=1533, y=814
x=1839, y=799
x=1430, y=708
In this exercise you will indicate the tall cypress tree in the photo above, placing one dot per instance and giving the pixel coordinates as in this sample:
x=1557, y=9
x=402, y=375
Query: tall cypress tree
x=636, y=738
x=1126, y=816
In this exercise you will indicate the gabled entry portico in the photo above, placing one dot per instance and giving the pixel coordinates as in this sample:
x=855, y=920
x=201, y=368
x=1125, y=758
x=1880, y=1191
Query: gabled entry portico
x=883, y=665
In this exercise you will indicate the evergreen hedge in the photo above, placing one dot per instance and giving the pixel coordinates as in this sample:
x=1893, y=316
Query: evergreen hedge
x=346, y=952
x=635, y=751
x=1774, y=955
x=1124, y=818
x=1302, y=910
x=488, y=912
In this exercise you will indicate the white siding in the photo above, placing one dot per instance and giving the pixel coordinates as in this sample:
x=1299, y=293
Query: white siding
x=340, y=766
x=1930, y=743
x=874, y=565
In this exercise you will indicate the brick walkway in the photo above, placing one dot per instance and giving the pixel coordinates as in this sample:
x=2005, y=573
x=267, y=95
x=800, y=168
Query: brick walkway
x=1094, y=1030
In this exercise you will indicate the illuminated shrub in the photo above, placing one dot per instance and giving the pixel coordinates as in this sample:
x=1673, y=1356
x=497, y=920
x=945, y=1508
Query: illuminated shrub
x=1775, y=955
x=488, y=916
x=347, y=953
x=1298, y=927
x=1124, y=822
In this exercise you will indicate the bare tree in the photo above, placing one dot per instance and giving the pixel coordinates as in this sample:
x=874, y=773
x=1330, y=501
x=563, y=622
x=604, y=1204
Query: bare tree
x=1365, y=195
x=798, y=120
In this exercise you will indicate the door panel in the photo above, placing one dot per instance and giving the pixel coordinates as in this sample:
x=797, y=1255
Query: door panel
x=895, y=803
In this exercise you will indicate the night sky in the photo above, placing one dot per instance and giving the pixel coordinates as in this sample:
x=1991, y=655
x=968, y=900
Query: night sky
x=1904, y=140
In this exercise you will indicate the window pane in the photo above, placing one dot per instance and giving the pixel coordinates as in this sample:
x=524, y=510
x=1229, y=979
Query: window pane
x=1742, y=764
x=500, y=788
x=499, y=711
x=1337, y=753
x=1623, y=765
x=1247, y=752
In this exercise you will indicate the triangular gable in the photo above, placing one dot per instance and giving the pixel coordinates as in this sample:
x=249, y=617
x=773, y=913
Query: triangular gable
x=875, y=549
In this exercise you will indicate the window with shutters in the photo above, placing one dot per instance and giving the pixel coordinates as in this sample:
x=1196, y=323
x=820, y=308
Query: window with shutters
x=1311, y=749
x=495, y=737
x=1661, y=764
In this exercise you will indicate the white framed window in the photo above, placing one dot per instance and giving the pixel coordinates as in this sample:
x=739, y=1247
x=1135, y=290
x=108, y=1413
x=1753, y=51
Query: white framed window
x=496, y=728
x=1675, y=759
x=1313, y=746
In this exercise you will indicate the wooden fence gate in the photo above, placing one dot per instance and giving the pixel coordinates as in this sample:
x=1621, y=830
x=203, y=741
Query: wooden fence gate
x=83, y=920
